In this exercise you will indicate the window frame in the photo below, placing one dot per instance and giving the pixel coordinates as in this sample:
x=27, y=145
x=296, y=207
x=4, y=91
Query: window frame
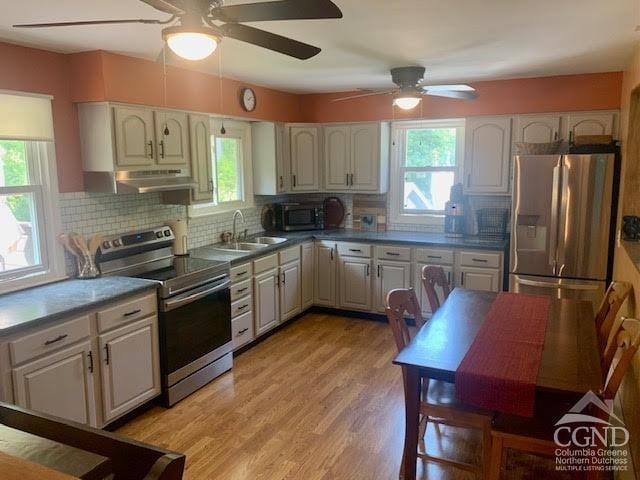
x=241, y=131
x=398, y=214
x=43, y=185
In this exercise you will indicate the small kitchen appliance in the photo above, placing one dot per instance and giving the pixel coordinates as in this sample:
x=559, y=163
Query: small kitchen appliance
x=454, y=219
x=299, y=216
x=194, y=305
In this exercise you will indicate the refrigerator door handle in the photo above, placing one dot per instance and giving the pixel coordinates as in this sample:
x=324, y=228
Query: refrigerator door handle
x=554, y=224
x=565, y=286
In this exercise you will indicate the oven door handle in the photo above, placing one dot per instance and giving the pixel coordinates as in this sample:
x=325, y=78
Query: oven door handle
x=174, y=303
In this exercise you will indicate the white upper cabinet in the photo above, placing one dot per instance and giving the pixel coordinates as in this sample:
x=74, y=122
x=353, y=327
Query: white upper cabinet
x=593, y=123
x=270, y=159
x=304, y=143
x=172, y=138
x=356, y=157
x=201, y=166
x=134, y=134
x=537, y=128
x=487, y=155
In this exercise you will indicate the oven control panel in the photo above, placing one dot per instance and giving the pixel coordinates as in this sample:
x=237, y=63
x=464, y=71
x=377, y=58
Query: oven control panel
x=152, y=236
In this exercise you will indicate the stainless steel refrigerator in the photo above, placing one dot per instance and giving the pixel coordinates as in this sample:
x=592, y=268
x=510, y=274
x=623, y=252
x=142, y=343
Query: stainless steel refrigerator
x=561, y=225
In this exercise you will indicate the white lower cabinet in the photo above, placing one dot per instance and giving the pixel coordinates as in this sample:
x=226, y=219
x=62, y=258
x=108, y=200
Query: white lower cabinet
x=486, y=279
x=266, y=308
x=60, y=384
x=129, y=365
x=422, y=294
x=290, y=282
x=325, y=274
x=355, y=283
x=307, y=262
x=389, y=276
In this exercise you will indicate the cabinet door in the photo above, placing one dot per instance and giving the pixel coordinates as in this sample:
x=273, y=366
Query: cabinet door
x=201, y=164
x=355, y=283
x=304, y=159
x=589, y=124
x=129, y=367
x=325, y=274
x=390, y=275
x=265, y=294
x=172, y=136
x=59, y=384
x=289, y=290
x=538, y=128
x=282, y=175
x=134, y=136
x=307, y=275
x=337, y=157
x=479, y=279
x=422, y=294
x=487, y=155
x=365, y=156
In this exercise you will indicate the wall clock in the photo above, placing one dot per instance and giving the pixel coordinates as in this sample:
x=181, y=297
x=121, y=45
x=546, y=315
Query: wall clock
x=248, y=100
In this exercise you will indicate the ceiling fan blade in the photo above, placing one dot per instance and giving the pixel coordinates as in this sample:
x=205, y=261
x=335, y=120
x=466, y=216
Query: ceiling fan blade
x=270, y=41
x=281, y=10
x=362, y=95
x=88, y=22
x=456, y=88
x=174, y=7
x=462, y=95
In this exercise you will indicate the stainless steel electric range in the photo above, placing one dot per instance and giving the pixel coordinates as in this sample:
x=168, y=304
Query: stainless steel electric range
x=194, y=306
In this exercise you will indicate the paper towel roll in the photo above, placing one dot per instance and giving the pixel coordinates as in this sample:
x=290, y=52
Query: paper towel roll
x=180, y=230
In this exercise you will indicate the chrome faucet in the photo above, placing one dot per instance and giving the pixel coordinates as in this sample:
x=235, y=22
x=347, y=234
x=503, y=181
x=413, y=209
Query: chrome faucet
x=236, y=214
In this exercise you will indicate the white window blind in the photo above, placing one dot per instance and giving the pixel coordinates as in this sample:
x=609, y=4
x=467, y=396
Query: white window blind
x=25, y=117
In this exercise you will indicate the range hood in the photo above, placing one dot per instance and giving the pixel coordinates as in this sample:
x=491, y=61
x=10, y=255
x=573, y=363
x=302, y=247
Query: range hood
x=141, y=181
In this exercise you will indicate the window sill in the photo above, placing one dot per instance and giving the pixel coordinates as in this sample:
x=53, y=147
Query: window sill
x=30, y=281
x=419, y=219
x=207, y=210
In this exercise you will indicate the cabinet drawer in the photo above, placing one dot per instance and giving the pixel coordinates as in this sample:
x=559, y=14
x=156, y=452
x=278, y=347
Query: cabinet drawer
x=49, y=340
x=479, y=259
x=354, y=250
x=289, y=254
x=265, y=263
x=385, y=252
x=127, y=312
x=241, y=306
x=241, y=289
x=242, y=330
x=241, y=272
x=434, y=256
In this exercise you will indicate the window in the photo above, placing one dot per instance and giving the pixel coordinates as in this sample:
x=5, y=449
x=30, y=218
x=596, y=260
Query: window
x=426, y=163
x=29, y=217
x=231, y=166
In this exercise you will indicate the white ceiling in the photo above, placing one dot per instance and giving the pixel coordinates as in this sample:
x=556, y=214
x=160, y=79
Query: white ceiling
x=457, y=40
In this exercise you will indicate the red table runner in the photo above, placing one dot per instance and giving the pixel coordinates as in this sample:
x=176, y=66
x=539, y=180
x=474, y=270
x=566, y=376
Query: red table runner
x=500, y=369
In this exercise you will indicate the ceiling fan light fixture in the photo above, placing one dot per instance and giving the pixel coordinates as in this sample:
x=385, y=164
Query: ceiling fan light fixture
x=407, y=102
x=191, y=43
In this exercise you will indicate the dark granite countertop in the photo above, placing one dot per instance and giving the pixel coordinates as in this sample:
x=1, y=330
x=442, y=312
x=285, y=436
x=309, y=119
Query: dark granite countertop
x=30, y=307
x=414, y=239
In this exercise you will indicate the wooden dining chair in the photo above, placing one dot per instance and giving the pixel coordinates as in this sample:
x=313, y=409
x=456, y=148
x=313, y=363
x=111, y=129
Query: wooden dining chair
x=535, y=435
x=606, y=315
x=432, y=277
x=438, y=403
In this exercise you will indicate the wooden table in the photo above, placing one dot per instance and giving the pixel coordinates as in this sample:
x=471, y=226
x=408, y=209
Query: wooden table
x=570, y=364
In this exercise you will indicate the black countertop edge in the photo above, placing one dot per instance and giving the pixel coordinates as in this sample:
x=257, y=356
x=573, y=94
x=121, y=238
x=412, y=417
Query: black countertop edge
x=410, y=239
x=67, y=298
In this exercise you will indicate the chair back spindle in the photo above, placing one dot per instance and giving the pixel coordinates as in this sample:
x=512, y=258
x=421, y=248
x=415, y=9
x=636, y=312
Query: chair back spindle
x=432, y=277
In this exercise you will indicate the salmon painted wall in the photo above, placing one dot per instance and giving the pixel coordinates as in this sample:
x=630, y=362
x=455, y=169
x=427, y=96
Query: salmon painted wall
x=598, y=91
x=133, y=80
x=39, y=71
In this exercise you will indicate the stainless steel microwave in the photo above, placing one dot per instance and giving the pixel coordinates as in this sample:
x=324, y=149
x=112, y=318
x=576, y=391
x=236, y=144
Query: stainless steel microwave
x=299, y=216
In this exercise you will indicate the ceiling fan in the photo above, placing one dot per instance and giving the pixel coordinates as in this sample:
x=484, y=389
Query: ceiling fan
x=411, y=89
x=196, y=27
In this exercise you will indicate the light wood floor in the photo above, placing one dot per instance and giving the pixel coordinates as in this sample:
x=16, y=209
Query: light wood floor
x=318, y=400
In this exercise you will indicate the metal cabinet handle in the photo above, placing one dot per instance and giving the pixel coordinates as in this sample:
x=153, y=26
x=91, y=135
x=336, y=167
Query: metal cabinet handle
x=294, y=180
x=393, y=254
x=90, y=355
x=211, y=186
x=107, y=355
x=240, y=290
x=379, y=270
x=56, y=340
x=434, y=256
x=161, y=148
x=461, y=278
x=150, y=149
x=243, y=307
x=243, y=331
x=355, y=250
x=449, y=278
x=132, y=312
x=239, y=274
x=481, y=260
x=284, y=278
x=368, y=270
x=331, y=250
x=347, y=179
